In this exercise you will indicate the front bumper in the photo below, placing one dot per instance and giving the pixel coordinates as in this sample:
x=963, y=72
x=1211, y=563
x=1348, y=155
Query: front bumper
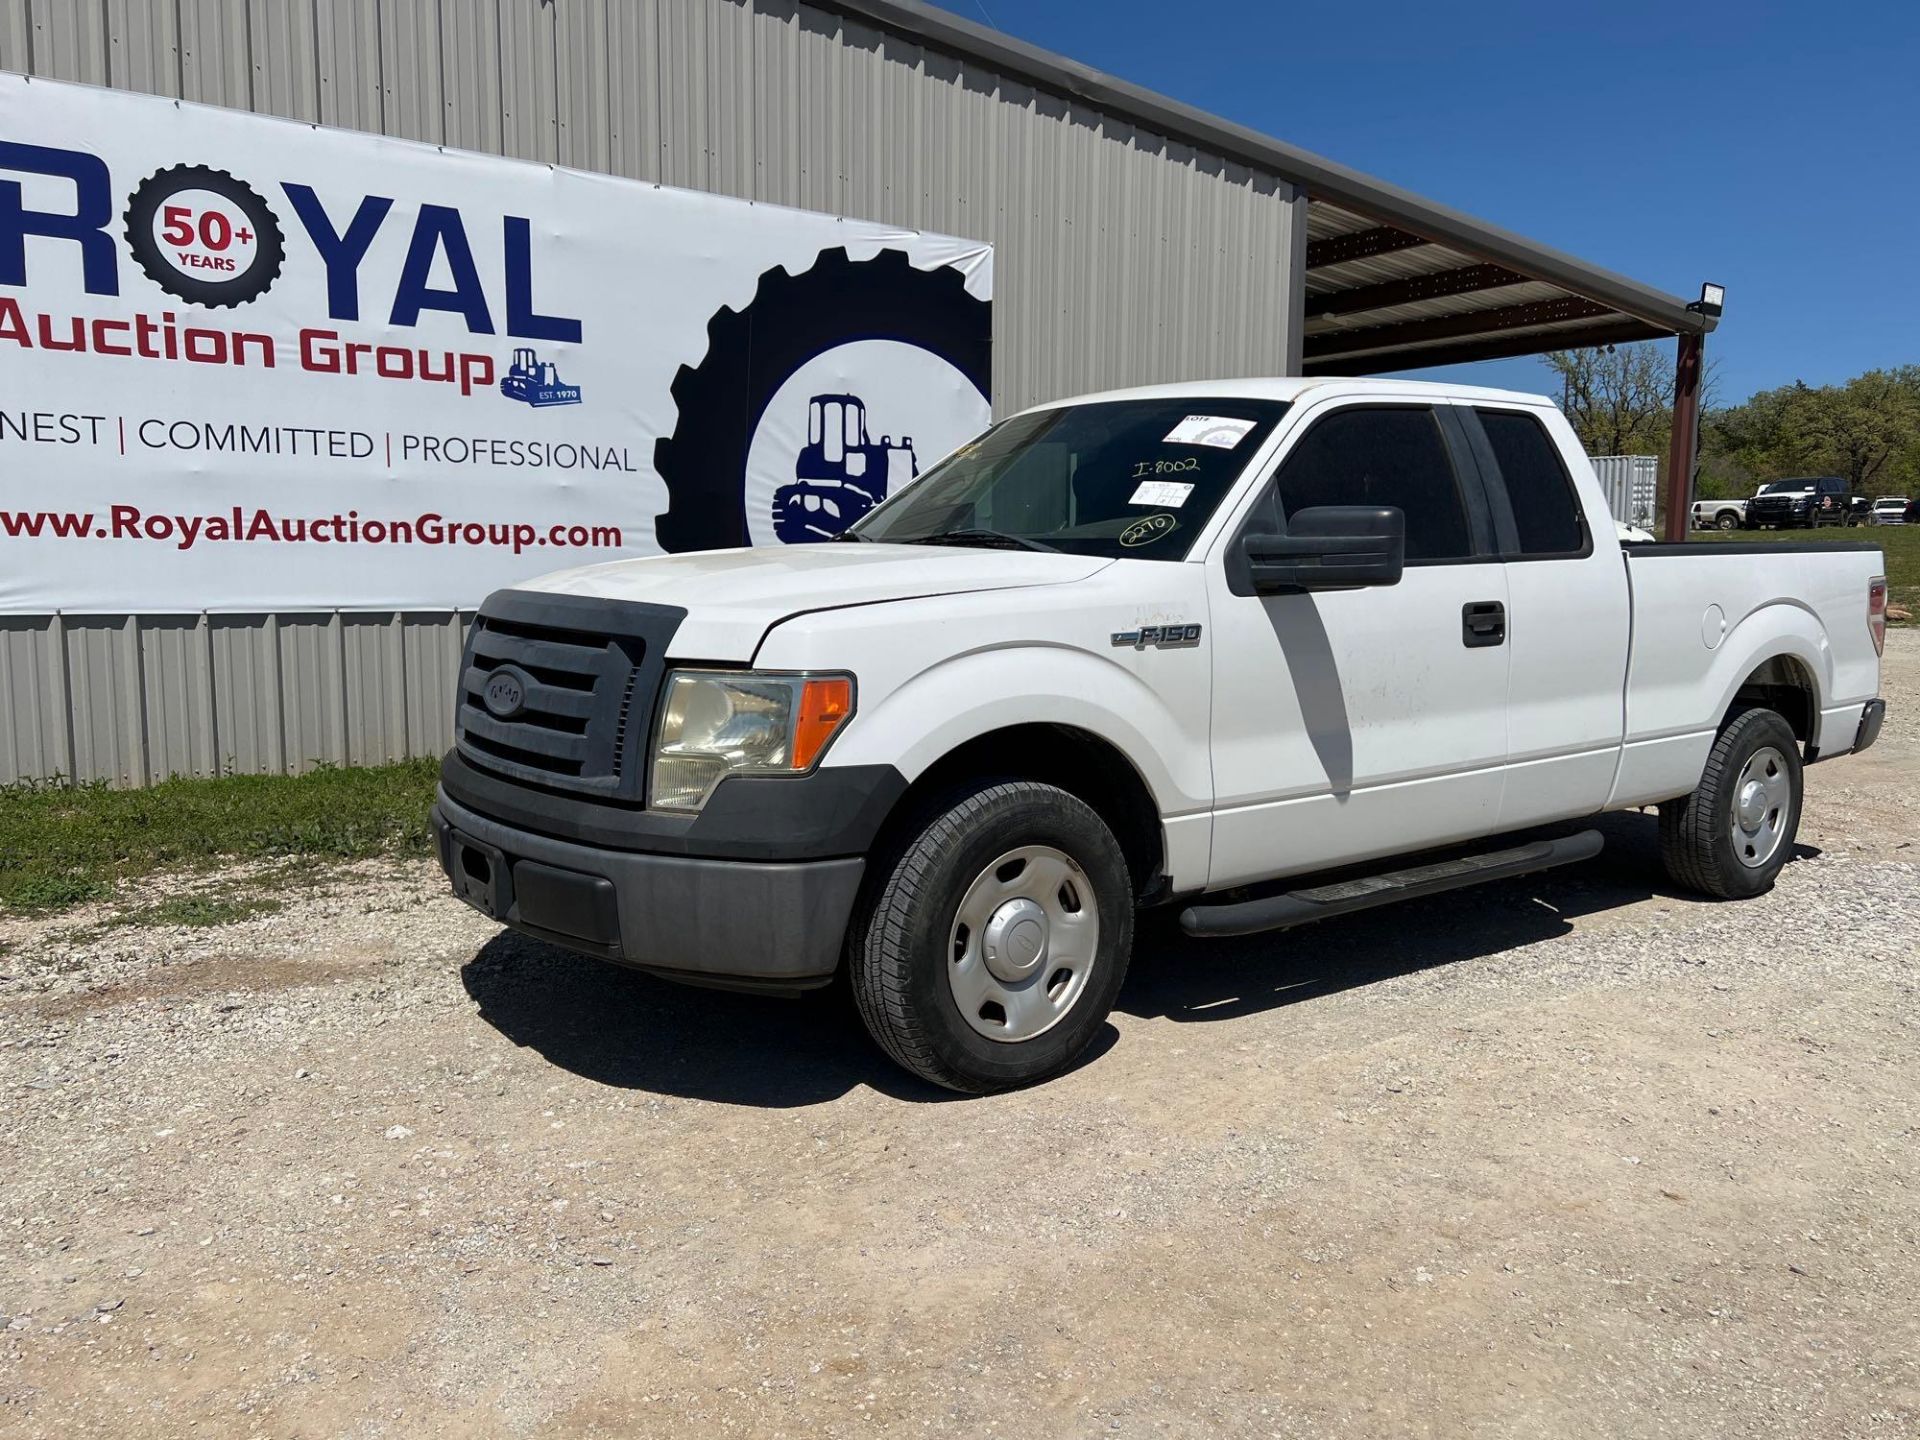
x=745, y=924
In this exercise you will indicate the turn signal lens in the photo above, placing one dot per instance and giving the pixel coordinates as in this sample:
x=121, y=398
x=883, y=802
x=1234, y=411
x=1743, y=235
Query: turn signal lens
x=1877, y=613
x=824, y=706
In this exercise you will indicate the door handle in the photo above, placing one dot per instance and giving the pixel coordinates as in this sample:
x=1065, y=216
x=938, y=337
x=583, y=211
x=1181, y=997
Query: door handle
x=1483, y=622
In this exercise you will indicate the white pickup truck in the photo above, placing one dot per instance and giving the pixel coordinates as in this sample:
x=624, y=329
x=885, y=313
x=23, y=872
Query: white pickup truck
x=1266, y=651
x=1719, y=514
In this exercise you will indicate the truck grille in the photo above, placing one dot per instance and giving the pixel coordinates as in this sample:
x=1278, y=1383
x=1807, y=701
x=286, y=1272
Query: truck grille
x=558, y=690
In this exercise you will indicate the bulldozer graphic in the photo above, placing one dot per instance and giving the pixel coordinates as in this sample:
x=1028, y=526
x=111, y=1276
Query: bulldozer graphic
x=536, y=382
x=841, y=473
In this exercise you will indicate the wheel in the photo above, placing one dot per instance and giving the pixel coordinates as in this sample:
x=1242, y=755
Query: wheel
x=996, y=939
x=1727, y=520
x=1730, y=837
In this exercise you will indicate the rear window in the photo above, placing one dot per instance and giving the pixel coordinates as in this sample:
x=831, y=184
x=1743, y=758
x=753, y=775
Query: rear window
x=1546, y=512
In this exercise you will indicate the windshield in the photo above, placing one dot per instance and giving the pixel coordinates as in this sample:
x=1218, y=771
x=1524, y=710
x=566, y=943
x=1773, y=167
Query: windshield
x=1787, y=487
x=1134, y=478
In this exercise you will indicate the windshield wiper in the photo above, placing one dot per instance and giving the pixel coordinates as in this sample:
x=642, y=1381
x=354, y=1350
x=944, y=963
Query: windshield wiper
x=997, y=538
x=850, y=535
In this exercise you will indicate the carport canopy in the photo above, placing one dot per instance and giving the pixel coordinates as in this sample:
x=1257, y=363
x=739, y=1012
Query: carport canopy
x=1414, y=285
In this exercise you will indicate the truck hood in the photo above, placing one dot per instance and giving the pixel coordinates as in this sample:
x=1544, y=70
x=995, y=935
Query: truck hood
x=733, y=597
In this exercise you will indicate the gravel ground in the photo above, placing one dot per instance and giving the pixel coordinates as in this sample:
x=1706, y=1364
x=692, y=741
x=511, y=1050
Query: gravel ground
x=1572, y=1155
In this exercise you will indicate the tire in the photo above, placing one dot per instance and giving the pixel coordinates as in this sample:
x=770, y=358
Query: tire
x=751, y=352
x=1727, y=520
x=910, y=956
x=1703, y=835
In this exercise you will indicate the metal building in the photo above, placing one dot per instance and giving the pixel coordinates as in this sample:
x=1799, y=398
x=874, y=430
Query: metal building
x=1136, y=239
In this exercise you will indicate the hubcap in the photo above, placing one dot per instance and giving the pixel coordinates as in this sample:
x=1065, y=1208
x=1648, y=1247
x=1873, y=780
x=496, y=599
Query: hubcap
x=1023, y=943
x=1762, y=807
x=1015, y=941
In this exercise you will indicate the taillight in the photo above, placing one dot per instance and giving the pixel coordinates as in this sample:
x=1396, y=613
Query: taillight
x=1877, y=613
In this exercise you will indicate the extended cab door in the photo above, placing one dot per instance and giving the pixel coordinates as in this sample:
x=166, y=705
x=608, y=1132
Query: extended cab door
x=1356, y=723
x=1568, y=613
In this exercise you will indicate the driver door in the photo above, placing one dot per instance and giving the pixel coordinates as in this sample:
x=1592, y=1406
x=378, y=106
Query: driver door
x=1350, y=724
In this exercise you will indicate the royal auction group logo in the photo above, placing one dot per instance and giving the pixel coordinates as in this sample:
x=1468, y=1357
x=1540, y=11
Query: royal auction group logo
x=211, y=239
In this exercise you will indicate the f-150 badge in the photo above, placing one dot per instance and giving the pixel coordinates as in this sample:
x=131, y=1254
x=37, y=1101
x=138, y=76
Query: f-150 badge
x=1158, y=637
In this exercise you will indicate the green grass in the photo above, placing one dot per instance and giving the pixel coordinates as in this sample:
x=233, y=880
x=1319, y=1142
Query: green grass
x=62, y=845
x=202, y=911
x=1901, y=544
x=199, y=910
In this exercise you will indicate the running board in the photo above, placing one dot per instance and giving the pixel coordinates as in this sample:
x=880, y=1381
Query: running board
x=1299, y=907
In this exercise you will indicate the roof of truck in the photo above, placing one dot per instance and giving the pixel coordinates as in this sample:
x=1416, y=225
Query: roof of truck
x=1294, y=387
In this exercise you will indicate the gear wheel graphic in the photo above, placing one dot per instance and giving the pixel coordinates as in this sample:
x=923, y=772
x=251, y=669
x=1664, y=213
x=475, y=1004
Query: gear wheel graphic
x=269, y=245
x=752, y=350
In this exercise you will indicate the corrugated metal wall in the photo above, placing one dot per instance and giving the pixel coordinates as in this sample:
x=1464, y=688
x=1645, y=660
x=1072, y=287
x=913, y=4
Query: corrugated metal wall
x=1121, y=258
x=136, y=699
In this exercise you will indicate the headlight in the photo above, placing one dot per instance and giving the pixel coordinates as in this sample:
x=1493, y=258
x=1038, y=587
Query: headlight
x=718, y=723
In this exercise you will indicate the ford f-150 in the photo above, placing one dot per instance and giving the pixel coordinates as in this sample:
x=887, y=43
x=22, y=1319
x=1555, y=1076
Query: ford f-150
x=1263, y=651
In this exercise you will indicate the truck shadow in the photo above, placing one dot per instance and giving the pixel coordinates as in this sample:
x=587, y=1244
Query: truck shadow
x=1176, y=977
x=627, y=1029
x=622, y=1028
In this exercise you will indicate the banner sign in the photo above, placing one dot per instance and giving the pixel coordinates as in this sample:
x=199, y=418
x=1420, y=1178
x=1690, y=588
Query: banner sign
x=251, y=365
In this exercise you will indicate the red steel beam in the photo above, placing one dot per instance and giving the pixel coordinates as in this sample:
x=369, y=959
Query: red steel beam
x=1685, y=445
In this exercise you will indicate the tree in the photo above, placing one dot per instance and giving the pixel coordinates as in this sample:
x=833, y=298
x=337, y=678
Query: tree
x=1619, y=399
x=1863, y=424
x=1867, y=430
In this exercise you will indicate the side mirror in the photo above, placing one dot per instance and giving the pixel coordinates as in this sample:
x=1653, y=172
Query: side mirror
x=1329, y=547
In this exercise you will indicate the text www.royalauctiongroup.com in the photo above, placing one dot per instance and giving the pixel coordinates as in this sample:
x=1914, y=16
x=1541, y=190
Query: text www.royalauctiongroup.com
x=183, y=532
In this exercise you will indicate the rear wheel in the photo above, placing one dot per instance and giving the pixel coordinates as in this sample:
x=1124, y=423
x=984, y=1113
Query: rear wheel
x=1728, y=520
x=996, y=940
x=1730, y=837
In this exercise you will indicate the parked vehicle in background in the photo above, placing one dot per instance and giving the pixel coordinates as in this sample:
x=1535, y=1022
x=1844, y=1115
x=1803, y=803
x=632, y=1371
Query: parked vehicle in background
x=1889, y=510
x=1913, y=511
x=1859, y=510
x=1719, y=514
x=1807, y=503
x=1264, y=652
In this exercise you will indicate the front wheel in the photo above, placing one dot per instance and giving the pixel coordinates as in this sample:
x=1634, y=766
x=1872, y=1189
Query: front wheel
x=996, y=940
x=1730, y=837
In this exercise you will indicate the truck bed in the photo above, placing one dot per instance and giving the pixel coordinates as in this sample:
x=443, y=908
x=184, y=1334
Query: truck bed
x=1693, y=600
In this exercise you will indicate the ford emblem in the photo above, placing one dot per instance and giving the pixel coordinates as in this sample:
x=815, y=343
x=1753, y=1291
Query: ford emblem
x=505, y=695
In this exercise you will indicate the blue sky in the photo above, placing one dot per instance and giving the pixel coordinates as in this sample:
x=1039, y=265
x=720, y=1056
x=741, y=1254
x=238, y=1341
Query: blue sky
x=1773, y=148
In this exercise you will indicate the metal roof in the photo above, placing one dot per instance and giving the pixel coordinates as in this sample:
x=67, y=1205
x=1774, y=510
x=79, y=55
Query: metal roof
x=1394, y=281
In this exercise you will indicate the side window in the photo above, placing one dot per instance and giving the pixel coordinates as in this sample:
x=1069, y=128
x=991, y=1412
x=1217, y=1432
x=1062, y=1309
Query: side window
x=1382, y=456
x=1546, y=511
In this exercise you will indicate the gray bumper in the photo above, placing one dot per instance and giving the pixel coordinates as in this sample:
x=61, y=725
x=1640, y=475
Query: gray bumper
x=748, y=924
